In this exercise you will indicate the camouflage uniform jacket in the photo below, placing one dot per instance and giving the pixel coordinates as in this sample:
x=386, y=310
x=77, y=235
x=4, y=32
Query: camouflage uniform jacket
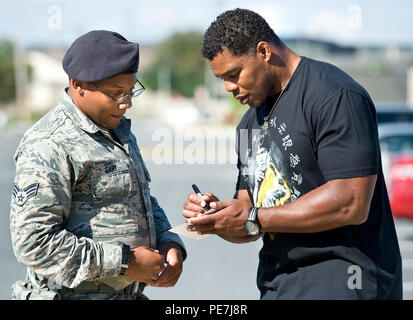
x=78, y=195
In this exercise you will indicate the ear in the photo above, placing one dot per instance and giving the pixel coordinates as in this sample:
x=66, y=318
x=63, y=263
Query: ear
x=264, y=50
x=77, y=86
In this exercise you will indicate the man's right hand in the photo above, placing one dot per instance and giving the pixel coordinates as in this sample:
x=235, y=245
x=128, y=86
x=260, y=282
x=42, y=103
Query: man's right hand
x=145, y=264
x=194, y=205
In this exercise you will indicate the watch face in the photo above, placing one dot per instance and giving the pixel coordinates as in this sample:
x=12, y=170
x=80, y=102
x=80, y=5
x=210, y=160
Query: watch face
x=252, y=228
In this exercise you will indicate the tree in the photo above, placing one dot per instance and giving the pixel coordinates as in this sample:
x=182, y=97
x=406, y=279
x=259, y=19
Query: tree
x=7, y=83
x=181, y=55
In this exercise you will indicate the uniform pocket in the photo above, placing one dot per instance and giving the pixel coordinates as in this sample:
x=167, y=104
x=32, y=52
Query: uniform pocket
x=112, y=180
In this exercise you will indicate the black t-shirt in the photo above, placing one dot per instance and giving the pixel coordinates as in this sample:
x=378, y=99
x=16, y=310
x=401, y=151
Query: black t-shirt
x=323, y=128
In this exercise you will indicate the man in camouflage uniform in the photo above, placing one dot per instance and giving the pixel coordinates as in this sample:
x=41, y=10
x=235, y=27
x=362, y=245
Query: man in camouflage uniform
x=82, y=217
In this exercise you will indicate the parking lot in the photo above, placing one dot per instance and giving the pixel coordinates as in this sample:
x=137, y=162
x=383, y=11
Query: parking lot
x=214, y=268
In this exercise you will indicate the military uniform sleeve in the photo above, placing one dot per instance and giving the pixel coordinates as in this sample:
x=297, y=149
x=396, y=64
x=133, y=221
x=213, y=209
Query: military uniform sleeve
x=162, y=226
x=40, y=204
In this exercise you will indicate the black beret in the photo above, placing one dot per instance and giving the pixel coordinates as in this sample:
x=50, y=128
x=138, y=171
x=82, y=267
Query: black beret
x=99, y=55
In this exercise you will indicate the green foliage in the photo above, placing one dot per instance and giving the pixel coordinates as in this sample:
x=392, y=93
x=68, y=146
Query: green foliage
x=181, y=54
x=7, y=84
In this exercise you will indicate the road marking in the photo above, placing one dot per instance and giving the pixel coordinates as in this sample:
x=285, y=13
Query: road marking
x=406, y=245
x=407, y=286
x=407, y=263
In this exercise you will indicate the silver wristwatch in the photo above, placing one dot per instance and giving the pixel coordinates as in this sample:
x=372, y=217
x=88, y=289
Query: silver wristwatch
x=251, y=225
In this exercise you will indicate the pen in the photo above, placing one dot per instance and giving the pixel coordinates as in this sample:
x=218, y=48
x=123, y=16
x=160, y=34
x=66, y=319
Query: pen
x=198, y=192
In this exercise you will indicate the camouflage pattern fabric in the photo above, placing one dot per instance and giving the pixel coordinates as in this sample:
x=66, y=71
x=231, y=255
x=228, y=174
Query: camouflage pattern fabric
x=79, y=193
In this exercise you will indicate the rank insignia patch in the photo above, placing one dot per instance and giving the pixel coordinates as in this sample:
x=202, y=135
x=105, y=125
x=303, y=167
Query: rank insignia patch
x=21, y=196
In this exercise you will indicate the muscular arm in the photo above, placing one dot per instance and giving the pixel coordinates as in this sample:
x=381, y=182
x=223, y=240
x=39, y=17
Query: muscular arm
x=335, y=204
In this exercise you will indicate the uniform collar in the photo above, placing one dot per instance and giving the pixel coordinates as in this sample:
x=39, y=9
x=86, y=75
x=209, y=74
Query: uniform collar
x=77, y=116
x=122, y=131
x=86, y=124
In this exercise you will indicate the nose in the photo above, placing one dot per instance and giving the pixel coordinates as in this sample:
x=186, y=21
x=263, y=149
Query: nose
x=230, y=86
x=126, y=104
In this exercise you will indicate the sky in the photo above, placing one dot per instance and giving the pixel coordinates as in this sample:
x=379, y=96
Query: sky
x=47, y=23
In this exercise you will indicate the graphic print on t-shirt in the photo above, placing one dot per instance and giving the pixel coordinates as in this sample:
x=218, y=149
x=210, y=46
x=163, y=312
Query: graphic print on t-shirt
x=273, y=188
x=270, y=187
x=274, y=183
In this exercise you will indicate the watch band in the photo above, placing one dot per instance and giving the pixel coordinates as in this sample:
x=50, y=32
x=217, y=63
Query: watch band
x=252, y=214
x=253, y=217
x=251, y=223
x=125, y=258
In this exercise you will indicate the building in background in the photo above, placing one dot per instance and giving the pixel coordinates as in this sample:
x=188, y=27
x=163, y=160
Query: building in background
x=47, y=79
x=383, y=71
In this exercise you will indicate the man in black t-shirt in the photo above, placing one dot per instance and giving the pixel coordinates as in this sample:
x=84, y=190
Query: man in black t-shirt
x=310, y=177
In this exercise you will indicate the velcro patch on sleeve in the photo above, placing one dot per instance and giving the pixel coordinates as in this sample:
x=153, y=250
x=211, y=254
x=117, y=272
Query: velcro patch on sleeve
x=22, y=195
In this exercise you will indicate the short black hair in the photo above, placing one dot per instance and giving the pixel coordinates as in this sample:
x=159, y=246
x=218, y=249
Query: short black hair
x=239, y=30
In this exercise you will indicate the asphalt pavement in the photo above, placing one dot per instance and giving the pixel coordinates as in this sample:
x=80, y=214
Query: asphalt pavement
x=214, y=269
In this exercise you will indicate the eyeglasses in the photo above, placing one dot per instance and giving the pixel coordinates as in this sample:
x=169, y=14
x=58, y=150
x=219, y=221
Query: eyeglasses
x=133, y=93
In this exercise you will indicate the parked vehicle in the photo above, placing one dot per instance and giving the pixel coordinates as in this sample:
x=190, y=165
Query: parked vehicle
x=396, y=143
x=393, y=112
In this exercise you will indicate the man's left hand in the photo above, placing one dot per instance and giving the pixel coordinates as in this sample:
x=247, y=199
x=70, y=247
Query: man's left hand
x=174, y=260
x=227, y=222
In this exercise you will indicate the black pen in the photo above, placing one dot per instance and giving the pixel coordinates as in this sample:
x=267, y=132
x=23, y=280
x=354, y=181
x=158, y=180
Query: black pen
x=198, y=192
